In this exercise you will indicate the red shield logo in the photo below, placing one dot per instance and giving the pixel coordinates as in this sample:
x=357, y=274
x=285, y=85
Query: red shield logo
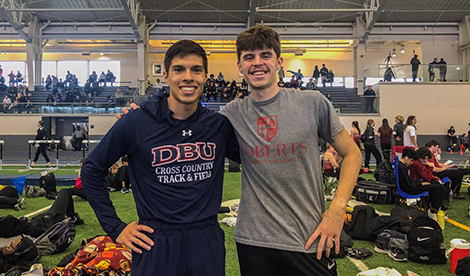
x=267, y=127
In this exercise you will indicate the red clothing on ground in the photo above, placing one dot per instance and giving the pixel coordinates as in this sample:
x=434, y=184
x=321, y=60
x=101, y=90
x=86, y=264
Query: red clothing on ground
x=78, y=183
x=420, y=171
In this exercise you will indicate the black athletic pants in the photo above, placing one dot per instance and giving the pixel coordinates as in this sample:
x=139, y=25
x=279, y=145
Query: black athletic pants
x=437, y=193
x=386, y=149
x=372, y=149
x=78, y=192
x=455, y=177
x=256, y=261
x=41, y=150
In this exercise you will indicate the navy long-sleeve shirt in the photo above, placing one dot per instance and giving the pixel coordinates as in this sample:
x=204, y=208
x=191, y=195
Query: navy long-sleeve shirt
x=176, y=166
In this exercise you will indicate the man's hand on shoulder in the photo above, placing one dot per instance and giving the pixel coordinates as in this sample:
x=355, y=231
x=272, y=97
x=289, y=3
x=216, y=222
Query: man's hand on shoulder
x=126, y=111
x=133, y=235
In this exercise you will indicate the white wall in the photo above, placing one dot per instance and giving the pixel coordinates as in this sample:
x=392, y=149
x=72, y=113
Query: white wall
x=440, y=49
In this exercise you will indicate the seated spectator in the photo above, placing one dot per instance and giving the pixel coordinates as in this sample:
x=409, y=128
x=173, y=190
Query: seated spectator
x=225, y=94
x=124, y=176
x=110, y=77
x=77, y=138
x=95, y=88
x=102, y=78
x=311, y=84
x=12, y=77
x=93, y=77
x=112, y=179
x=61, y=86
x=293, y=83
x=6, y=102
x=298, y=75
x=233, y=89
x=119, y=97
x=281, y=83
x=331, y=161
x=50, y=99
x=158, y=86
x=69, y=98
x=441, y=170
x=211, y=92
x=410, y=185
x=48, y=82
x=150, y=96
x=19, y=78
x=244, y=85
x=298, y=84
x=55, y=84
x=464, y=141
x=22, y=101
x=87, y=87
x=59, y=99
x=10, y=199
x=89, y=99
x=78, y=187
x=451, y=136
x=220, y=79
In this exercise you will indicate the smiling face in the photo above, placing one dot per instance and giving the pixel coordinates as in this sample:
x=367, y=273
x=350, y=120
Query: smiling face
x=259, y=68
x=186, y=77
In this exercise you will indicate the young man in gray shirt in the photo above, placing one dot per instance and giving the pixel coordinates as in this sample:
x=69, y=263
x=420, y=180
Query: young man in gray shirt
x=283, y=227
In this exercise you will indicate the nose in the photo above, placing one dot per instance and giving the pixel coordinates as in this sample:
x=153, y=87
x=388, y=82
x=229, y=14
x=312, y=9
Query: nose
x=257, y=60
x=188, y=76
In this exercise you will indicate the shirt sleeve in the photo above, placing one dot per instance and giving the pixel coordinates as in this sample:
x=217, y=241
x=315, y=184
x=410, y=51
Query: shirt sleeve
x=116, y=143
x=412, y=132
x=328, y=122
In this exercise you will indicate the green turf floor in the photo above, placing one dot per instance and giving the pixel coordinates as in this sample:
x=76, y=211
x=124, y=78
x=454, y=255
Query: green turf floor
x=125, y=207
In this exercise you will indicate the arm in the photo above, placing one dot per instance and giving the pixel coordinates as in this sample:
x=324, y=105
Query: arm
x=118, y=141
x=413, y=139
x=332, y=222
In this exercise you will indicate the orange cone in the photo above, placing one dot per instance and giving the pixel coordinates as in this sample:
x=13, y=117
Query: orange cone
x=451, y=151
x=461, y=149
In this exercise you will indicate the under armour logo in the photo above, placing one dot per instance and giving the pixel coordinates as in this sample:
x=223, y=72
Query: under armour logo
x=187, y=133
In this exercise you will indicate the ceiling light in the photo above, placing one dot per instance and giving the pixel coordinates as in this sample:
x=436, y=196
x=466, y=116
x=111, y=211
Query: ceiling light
x=402, y=49
x=394, y=53
x=101, y=54
x=458, y=68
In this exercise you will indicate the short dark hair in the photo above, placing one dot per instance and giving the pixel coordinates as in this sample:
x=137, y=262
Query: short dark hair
x=432, y=143
x=182, y=49
x=258, y=37
x=410, y=153
x=125, y=158
x=41, y=123
x=424, y=152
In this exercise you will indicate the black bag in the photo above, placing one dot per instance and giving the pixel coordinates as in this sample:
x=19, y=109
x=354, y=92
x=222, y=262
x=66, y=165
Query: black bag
x=463, y=267
x=405, y=217
x=233, y=166
x=384, y=172
x=380, y=223
x=21, y=251
x=374, y=192
x=426, y=243
x=48, y=183
x=361, y=216
x=57, y=238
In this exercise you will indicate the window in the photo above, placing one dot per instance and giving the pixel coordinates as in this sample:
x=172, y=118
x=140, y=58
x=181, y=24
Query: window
x=76, y=67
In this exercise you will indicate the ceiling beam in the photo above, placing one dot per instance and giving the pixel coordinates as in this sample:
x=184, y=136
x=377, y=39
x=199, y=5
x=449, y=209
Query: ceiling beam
x=5, y=16
x=62, y=10
x=252, y=16
x=132, y=14
x=316, y=10
x=371, y=22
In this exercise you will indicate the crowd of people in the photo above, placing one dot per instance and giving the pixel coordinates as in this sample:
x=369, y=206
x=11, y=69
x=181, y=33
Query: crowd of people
x=323, y=75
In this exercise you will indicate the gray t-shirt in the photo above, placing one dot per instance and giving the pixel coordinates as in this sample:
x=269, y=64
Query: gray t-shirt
x=282, y=199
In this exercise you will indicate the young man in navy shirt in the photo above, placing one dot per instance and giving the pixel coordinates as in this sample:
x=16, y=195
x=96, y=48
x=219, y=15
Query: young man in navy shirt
x=176, y=150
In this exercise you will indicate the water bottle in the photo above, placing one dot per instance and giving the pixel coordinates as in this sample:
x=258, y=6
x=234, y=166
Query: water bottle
x=451, y=195
x=440, y=219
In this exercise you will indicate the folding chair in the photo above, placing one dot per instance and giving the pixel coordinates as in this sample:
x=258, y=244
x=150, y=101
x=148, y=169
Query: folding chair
x=329, y=181
x=402, y=198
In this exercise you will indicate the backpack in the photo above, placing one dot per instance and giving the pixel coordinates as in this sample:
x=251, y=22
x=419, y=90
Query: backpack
x=426, y=243
x=57, y=238
x=361, y=216
x=384, y=172
x=48, y=183
x=31, y=191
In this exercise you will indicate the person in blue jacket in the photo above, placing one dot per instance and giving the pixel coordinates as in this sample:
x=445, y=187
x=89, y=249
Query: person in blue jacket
x=176, y=150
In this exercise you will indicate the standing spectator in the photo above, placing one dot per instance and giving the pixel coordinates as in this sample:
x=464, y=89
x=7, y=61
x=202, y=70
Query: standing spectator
x=158, y=86
x=385, y=133
x=442, y=70
x=119, y=97
x=369, y=95
x=330, y=77
x=41, y=135
x=415, y=62
x=55, y=84
x=298, y=75
x=19, y=78
x=68, y=79
x=74, y=83
x=77, y=138
x=369, y=144
x=410, y=139
x=3, y=87
x=431, y=68
x=281, y=74
x=323, y=74
x=12, y=76
x=356, y=134
x=1, y=71
x=48, y=82
x=451, y=136
x=398, y=130
x=110, y=77
x=316, y=73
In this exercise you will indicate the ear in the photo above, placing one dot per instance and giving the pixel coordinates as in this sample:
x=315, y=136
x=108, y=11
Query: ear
x=239, y=67
x=165, y=76
x=280, y=62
